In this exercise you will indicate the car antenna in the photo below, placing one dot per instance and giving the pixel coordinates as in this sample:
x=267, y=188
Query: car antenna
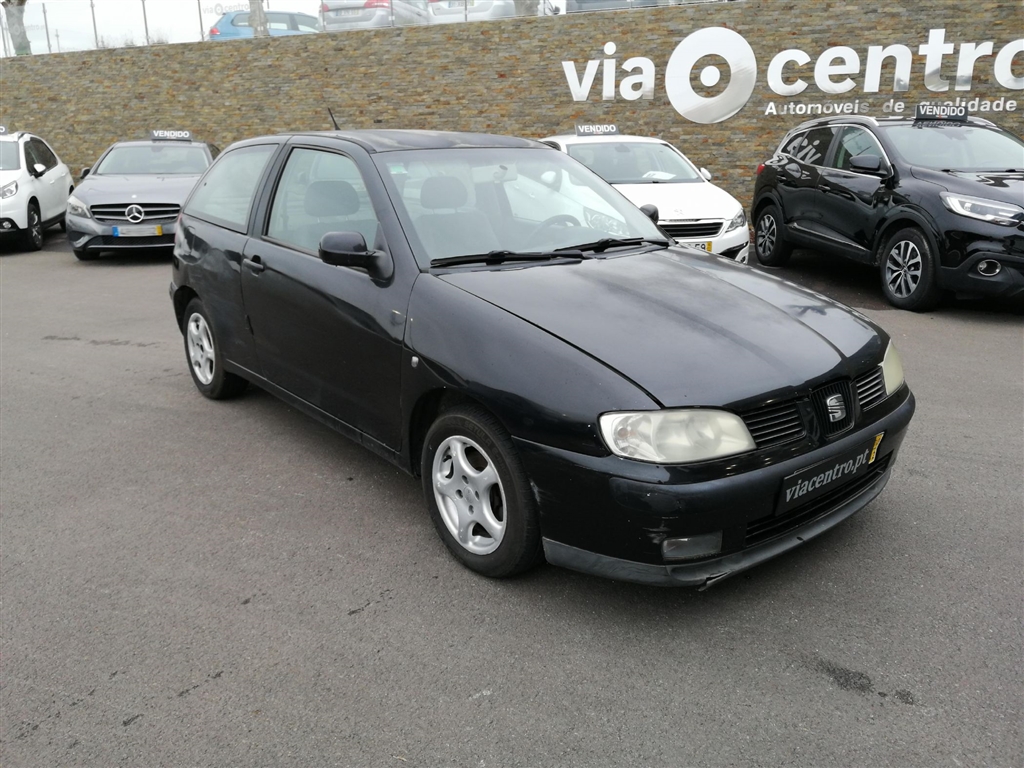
x=329, y=112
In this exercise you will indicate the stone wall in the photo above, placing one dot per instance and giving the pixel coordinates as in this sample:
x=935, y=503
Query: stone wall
x=508, y=77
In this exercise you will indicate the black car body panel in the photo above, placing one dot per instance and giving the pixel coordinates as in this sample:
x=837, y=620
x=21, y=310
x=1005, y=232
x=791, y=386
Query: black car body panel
x=547, y=348
x=853, y=214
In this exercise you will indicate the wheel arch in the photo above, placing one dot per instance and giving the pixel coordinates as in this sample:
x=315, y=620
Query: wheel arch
x=182, y=297
x=903, y=220
x=428, y=408
x=768, y=198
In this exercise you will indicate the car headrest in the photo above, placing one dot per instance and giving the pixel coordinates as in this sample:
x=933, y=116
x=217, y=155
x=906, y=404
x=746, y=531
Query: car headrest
x=443, y=192
x=331, y=198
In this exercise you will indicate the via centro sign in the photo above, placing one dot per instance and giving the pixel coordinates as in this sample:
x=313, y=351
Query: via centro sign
x=788, y=73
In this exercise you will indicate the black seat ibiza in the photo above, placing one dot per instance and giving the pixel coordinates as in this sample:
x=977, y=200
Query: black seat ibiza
x=490, y=315
x=934, y=201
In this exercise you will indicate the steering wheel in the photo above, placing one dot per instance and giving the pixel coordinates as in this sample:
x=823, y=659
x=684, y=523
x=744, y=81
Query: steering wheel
x=561, y=218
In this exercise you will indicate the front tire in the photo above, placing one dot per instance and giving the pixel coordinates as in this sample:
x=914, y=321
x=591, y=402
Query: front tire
x=205, y=361
x=34, y=231
x=770, y=238
x=478, y=494
x=907, y=268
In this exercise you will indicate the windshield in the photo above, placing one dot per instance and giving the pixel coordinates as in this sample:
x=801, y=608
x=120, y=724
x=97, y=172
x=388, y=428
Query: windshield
x=458, y=202
x=963, y=148
x=9, y=156
x=634, y=162
x=159, y=159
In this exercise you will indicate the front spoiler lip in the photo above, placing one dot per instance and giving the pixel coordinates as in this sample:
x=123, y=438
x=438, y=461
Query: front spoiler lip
x=707, y=572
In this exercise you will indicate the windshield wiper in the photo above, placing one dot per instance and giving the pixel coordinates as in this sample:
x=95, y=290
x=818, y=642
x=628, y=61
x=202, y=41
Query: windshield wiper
x=600, y=246
x=502, y=256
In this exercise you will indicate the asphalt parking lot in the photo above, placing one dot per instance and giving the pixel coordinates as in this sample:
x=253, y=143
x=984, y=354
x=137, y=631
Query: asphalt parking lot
x=190, y=583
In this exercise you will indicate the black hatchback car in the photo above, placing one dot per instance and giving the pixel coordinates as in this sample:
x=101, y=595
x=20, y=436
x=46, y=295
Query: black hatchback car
x=934, y=201
x=490, y=315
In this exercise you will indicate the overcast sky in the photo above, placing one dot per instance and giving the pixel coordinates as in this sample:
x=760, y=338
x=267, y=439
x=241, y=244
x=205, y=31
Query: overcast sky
x=70, y=22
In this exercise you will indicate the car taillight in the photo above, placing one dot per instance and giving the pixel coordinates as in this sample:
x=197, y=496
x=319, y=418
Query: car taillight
x=324, y=8
x=760, y=168
x=377, y=4
x=214, y=31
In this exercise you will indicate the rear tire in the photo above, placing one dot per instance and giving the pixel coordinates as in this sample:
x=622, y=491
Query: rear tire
x=33, y=237
x=478, y=494
x=770, y=238
x=205, y=361
x=907, y=268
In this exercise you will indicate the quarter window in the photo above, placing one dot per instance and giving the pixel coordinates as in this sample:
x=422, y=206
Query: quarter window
x=320, y=192
x=224, y=196
x=853, y=142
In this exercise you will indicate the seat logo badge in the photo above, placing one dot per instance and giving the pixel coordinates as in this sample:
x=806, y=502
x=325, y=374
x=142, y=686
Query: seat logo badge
x=836, y=408
x=135, y=214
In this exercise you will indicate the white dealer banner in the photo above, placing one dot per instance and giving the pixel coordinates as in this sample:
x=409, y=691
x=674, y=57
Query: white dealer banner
x=789, y=72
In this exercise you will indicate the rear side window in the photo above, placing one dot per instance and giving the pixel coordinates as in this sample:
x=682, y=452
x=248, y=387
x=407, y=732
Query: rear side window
x=225, y=194
x=809, y=146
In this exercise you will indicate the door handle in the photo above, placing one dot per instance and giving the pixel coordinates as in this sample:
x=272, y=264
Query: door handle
x=825, y=188
x=255, y=264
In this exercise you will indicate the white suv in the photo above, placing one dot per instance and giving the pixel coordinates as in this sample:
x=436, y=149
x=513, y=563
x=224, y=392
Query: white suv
x=34, y=188
x=651, y=171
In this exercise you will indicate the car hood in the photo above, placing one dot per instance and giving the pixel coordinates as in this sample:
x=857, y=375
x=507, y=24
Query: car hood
x=6, y=177
x=688, y=328
x=683, y=200
x=1004, y=187
x=100, y=190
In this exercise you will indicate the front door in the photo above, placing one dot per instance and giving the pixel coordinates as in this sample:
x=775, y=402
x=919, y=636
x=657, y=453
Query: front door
x=331, y=336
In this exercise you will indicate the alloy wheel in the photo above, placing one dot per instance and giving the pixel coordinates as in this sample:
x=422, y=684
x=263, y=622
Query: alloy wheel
x=766, y=234
x=35, y=227
x=200, y=348
x=469, y=495
x=903, y=267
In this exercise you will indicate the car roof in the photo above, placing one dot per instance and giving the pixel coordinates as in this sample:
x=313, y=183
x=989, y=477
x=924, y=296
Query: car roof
x=157, y=143
x=390, y=140
x=571, y=138
x=869, y=121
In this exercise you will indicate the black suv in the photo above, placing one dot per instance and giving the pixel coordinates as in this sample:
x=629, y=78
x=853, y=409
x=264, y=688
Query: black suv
x=934, y=203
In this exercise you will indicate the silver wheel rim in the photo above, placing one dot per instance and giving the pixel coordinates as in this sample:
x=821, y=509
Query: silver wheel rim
x=903, y=268
x=200, y=348
x=766, y=234
x=469, y=495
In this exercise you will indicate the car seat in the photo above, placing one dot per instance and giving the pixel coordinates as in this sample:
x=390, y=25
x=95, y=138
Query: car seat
x=453, y=232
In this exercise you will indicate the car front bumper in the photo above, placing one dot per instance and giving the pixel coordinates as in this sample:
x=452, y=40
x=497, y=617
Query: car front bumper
x=968, y=248
x=87, y=234
x=732, y=245
x=13, y=214
x=609, y=516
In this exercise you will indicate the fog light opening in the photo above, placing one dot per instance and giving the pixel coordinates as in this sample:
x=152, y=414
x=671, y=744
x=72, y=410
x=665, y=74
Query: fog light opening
x=989, y=267
x=692, y=547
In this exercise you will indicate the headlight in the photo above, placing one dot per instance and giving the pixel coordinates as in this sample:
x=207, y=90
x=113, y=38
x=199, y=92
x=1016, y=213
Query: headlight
x=76, y=207
x=604, y=222
x=992, y=211
x=892, y=370
x=675, y=437
x=739, y=220
x=9, y=190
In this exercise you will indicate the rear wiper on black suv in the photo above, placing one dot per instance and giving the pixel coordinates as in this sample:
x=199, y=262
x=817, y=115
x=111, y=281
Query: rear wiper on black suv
x=500, y=257
x=599, y=246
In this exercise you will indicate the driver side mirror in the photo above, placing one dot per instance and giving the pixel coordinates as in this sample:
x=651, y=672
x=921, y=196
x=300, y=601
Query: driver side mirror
x=85, y=172
x=650, y=211
x=706, y=174
x=869, y=164
x=348, y=249
x=38, y=170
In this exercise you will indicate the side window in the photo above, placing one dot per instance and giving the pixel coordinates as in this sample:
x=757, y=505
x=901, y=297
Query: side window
x=241, y=20
x=853, y=142
x=305, y=23
x=225, y=194
x=277, y=21
x=320, y=192
x=31, y=158
x=44, y=153
x=810, y=146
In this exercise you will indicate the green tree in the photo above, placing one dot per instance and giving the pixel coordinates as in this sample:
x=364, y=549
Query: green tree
x=16, y=24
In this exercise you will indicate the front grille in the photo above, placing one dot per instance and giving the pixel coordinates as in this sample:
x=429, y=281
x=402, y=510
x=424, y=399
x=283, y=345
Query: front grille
x=692, y=230
x=767, y=528
x=108, y=241
x=821, y=397
x=775, y=424
x=870, y=388
x=118, y=211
